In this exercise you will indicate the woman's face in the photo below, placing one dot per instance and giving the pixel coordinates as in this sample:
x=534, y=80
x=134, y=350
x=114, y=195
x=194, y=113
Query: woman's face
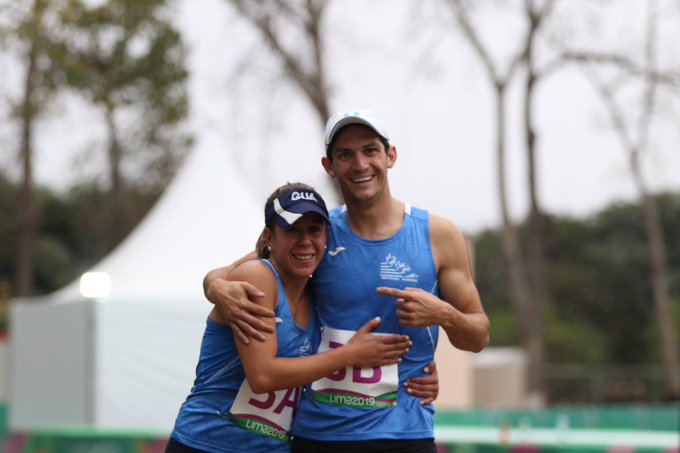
x=298, y=249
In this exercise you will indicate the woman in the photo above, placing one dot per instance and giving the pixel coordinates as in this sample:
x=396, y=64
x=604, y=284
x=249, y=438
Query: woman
x=244, y=395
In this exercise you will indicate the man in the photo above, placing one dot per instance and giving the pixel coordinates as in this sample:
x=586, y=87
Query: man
x=380, y=250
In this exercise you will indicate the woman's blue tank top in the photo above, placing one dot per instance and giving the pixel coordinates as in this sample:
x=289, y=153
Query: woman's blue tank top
x=203, y=421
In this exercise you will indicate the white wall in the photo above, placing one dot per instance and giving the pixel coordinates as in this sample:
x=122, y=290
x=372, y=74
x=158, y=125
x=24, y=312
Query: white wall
x=146, y=362
x=50, y=364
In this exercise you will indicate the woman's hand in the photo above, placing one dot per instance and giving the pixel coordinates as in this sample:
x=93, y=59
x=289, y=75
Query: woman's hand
x=368, y=350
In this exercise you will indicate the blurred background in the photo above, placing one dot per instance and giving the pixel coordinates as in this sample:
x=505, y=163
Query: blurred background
x=139, y=140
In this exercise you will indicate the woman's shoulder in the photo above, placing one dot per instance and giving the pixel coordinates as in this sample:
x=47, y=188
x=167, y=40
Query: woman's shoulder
x=246, y=268
x=257, y=274
x=251, y=269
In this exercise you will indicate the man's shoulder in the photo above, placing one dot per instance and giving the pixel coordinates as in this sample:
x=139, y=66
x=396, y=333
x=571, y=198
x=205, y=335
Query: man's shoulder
x=437, y=224
x=443, y=230
x=441, y=222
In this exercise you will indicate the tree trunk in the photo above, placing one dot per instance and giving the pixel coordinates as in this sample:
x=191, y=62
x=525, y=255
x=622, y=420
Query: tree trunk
x=536, y=224
x=659, y=281
x=29, y=212
x=661, y=293
x=653, y=229
x=521, y=293
x=121, y=218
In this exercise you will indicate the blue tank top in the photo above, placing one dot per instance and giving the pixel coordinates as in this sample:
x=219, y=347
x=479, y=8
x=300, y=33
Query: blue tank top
x=344, y=285
x=203, y=421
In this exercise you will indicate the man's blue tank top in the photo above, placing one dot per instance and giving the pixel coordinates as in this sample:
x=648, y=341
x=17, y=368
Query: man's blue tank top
x=345, y=286
x=202, y=422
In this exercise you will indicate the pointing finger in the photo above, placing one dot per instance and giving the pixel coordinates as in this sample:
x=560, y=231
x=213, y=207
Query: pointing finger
x=391, y=292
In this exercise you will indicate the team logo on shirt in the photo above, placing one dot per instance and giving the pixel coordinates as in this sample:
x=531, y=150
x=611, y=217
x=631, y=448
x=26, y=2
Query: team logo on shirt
x=336, y=251
x=305, y=348
x=393, y=269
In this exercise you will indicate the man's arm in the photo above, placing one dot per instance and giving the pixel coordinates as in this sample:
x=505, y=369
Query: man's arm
x=466, y=325
x=459, y=311
x=233, y=301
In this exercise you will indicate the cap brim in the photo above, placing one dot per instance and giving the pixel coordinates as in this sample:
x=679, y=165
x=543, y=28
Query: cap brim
x=302, y=208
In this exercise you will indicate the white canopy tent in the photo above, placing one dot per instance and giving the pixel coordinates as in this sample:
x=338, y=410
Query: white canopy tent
x=127, y=360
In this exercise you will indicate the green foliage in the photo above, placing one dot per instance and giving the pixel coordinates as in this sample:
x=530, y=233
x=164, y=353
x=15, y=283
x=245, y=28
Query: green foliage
x=599, y=307
x=76, y=231
x=489, y=270
x=52, y=261
x=490, y=279
x=604, y=276
x=505, y=328
x=9, y=210
x=574, y=339
x=128, y=59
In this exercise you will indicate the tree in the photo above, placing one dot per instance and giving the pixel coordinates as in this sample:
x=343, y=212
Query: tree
x=303, y=58
x=525, y=276
x=31, y=35
x=600, y=325
x=303, y=61
x=126, y=58
x=634, y=127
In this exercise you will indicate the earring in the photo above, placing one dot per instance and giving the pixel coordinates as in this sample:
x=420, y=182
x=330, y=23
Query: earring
x=269, y=247
x=325, y=247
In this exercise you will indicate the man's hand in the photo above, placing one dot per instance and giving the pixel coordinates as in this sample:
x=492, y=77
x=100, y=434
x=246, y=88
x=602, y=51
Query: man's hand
x=426, y=387
x=417, y=308
x=233, y=301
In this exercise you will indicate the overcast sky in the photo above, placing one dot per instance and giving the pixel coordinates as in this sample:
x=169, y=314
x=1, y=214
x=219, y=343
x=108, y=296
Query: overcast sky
x=400, y=61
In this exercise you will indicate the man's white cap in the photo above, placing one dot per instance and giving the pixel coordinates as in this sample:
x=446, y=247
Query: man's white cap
x=361, y=116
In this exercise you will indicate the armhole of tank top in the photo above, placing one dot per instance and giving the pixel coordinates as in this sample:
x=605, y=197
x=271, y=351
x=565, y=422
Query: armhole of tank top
x=277, y=279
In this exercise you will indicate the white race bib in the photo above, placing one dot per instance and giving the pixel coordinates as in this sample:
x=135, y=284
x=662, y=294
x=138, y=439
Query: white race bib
x=267, y=414
x=367, y=388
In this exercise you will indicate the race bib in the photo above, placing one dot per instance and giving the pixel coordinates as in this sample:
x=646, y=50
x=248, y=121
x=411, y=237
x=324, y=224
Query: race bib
x=366, y=388
x=267, y=414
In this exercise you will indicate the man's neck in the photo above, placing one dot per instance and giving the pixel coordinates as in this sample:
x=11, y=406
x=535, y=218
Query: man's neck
x=376, y=221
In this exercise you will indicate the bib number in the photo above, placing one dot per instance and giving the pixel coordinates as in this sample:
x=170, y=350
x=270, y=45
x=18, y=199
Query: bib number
x=267, y=414
x=366, y=388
